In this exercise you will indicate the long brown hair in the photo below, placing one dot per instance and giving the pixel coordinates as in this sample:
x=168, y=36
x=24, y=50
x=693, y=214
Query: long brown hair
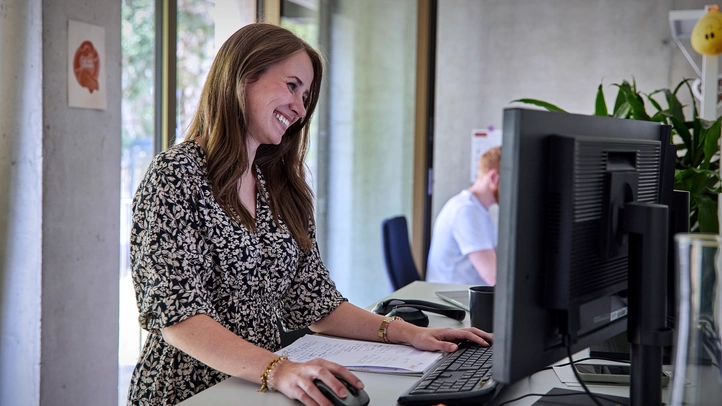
x=222, y=122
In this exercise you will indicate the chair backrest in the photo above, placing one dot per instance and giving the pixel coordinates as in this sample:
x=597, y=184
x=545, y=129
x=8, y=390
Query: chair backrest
x=397, y=252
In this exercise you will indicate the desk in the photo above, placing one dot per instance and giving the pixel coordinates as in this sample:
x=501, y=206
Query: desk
x=384, y=389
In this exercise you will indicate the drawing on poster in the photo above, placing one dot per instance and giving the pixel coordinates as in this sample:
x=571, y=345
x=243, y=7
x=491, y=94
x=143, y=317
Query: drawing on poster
x=86, y=66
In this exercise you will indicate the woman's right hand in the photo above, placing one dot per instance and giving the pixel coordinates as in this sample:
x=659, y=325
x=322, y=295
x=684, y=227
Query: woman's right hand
x=295, y=380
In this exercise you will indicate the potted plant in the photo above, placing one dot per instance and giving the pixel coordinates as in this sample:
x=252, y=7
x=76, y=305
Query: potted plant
x=697, y=142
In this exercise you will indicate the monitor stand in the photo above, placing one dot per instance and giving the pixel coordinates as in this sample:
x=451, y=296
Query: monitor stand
x=618, y=347
x=646, y=226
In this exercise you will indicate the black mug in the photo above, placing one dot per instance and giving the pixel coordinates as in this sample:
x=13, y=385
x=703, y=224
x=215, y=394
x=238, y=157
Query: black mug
x=481, y=307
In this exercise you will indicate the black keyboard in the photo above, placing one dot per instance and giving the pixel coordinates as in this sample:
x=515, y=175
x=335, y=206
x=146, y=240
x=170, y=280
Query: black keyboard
x=458, y=378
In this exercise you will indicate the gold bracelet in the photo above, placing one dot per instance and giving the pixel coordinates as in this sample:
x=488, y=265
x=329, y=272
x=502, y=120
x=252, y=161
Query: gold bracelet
x=265, y=386
x=384, y=327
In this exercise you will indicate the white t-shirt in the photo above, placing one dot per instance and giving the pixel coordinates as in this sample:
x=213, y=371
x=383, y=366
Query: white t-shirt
x=463, y=226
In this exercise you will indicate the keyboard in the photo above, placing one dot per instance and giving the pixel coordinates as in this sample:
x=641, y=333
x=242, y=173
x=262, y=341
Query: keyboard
x=458, y=378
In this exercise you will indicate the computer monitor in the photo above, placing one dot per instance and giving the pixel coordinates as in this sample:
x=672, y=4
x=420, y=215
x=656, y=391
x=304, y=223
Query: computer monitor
x=581, y=230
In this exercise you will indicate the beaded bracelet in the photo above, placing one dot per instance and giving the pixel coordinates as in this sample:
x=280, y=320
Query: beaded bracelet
x=265, y=381
x=384, y=327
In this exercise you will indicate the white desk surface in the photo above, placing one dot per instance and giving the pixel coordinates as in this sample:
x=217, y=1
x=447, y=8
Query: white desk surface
x=384, y=389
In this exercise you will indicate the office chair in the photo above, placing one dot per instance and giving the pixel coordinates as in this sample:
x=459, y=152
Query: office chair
x=397, y=252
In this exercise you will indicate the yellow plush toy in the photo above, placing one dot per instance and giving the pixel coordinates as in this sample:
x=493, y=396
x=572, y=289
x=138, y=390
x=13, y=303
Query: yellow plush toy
x=707, y=33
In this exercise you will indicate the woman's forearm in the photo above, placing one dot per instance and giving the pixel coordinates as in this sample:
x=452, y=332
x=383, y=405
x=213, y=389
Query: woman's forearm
x=208, y=341
x=350, y=321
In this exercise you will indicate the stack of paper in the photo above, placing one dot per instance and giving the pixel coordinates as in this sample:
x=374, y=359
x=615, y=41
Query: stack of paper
x=362, y=355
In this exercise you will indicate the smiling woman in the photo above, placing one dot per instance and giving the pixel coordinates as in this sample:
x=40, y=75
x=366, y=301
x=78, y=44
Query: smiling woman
x=223, y=239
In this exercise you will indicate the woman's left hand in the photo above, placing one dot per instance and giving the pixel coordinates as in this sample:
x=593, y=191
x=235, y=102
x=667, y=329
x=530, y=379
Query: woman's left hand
x=441, y=339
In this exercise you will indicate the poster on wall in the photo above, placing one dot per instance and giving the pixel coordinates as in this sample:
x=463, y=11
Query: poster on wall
x=87, y=83
x=482, y=141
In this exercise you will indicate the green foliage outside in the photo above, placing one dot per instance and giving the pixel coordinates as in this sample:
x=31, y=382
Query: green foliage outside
x=697, y=141
x=195, y=50
x=138, y=45
x=307, y=31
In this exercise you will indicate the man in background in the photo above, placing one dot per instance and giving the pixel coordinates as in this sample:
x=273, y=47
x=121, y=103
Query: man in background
x=464, y=238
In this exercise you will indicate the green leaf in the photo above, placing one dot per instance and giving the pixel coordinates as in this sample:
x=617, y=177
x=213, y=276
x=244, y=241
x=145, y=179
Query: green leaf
x=654, y=102
x=703, y=128
x=707, y=215
x=694, y=180
x=659, y=117
x=682, y=83
x=623, y=110
x=711, y=137
x=637, y=105
x=600, y=105
x=703, y=187
x=695, y=114
x=540, y=103
x=620, y=99
x=675, y=107
x=681, y=128
x=633, y=99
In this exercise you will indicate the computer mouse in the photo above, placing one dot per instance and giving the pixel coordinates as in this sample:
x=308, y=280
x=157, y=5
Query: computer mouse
x=355, y=397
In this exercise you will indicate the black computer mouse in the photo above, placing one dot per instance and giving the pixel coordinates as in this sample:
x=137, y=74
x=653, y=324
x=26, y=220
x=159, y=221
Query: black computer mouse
x=355, y=397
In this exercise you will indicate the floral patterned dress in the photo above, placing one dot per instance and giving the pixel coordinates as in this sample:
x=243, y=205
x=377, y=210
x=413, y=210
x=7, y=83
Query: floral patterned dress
x=189, y=257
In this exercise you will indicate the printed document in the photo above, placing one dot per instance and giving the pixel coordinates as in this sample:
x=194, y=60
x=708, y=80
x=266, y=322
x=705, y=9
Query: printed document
x=362, y=355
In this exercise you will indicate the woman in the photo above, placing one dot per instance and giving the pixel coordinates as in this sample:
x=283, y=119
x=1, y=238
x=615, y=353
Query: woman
x=223, y=238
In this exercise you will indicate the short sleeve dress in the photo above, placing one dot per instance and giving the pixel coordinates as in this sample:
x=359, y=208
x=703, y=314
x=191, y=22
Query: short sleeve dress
x=189, y=257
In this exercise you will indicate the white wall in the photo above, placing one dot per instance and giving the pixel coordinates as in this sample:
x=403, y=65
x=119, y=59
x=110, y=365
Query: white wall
x=492, y=52
x=59, y=211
